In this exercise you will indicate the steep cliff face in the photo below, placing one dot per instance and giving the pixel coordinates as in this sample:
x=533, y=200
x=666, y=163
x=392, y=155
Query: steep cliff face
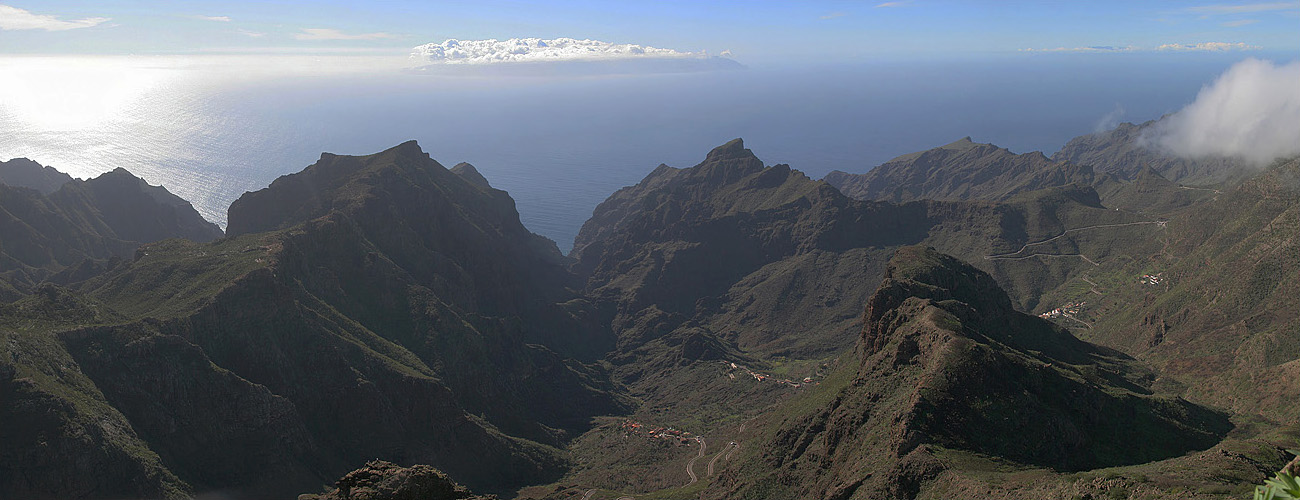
x=963, y=170
x=945, y=363
x=61, y=437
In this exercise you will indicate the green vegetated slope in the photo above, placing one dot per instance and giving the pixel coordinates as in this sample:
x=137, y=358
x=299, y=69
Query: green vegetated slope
x=734, y=262
x=1220, y=322
x=383, y=306
x=954, y=394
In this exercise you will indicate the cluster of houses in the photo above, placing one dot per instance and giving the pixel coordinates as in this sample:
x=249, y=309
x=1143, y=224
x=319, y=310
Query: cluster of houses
x=1152, y=279
x=1069, y=309
x=764, y=378
x=669, y=433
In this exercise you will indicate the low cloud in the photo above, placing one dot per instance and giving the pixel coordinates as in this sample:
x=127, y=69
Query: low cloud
x=251, y=34
x=1251, y=112
x=1110, y=120
x=13, y=18
x=1207, y=47
x=220, y=19
x=833, y=15
x=899, y=3
x=537, y=50
x=1168, y=47
x=1245, y=8
x=1240, y=22
x=333, y=34
x=1094, y=48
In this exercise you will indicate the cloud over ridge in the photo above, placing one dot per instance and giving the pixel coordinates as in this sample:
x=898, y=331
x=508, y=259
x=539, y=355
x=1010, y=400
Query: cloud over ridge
x=494, y=51
x=1252, y=112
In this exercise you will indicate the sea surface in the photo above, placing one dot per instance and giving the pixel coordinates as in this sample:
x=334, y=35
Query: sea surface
x=210, y=128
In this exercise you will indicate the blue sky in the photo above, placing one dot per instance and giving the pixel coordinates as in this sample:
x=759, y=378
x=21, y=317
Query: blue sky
x=752, y=30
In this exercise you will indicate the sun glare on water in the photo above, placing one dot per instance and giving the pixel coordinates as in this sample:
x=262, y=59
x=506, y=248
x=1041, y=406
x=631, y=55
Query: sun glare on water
x=61, y=94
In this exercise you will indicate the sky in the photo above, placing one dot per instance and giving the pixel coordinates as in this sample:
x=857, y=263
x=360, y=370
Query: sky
x=753, y=31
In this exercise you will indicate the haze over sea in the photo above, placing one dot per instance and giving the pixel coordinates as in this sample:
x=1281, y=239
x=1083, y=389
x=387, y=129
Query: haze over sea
x=212, y=127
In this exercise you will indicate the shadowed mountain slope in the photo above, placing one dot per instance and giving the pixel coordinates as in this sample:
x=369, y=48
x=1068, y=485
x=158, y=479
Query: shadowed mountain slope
x=22, y=172
x=86, y=221
x=389, y=309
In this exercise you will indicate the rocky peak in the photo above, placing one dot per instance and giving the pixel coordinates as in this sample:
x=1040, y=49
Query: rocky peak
x=471, y=175
x=734, y=148
x=963, y=143
x=380, y=480
x=919, y=272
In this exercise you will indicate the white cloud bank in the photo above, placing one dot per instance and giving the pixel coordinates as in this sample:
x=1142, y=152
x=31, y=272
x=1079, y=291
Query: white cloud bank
x=538, y=50
x=1251, y=112
x=1208, y=47
x=13, y=18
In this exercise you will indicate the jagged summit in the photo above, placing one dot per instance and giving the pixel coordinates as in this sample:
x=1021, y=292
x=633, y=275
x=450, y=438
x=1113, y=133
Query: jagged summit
x=138, y=211
x=961, y=170
x=411, y=147
x=332, y=182
x=734, y=148
x=963, y=143
x=470, y=174
x=22, y=172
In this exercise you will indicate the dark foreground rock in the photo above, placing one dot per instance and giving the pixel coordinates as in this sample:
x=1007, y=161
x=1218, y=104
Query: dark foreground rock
x=380, y=480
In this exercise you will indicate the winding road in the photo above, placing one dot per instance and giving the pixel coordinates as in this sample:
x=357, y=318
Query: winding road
x=1015, y=255
x=690, y=466
x=725, y=451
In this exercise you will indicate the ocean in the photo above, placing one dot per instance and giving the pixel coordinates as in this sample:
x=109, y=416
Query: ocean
x=210, y=128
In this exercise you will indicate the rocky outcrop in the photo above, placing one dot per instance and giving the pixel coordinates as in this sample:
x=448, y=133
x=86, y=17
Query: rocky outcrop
x=380, y=480
x=471, y=175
